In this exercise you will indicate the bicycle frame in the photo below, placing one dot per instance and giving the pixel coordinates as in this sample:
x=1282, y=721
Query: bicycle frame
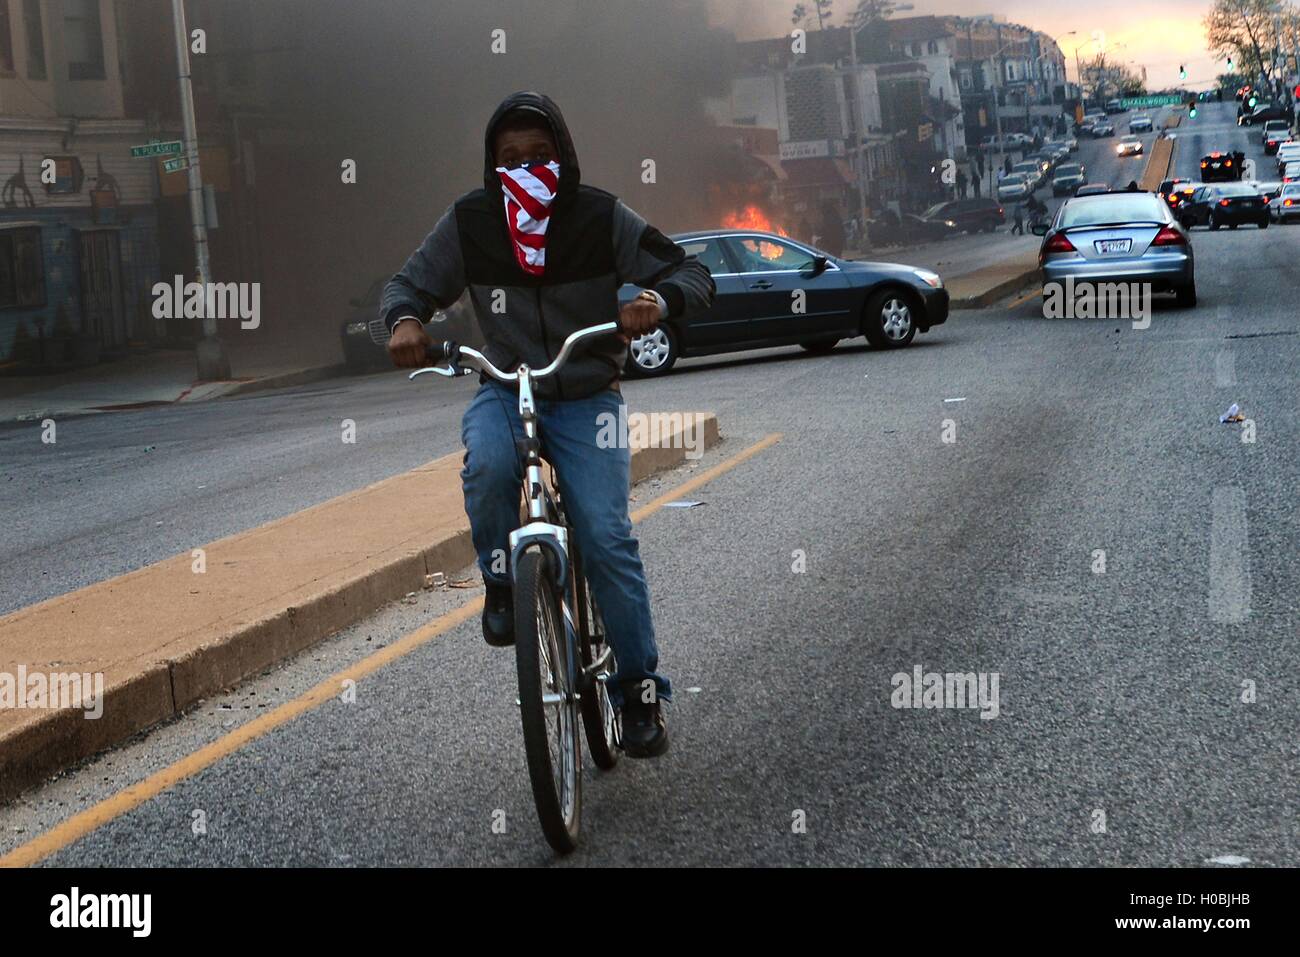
x=546, y=525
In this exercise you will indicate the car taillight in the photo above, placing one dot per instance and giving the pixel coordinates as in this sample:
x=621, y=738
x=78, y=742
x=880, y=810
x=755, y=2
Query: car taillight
x=1059, y=243
x=1288, y=202
x=1223, y=202
x=1204, y=165
x=1227, y=162
x=1168, y=236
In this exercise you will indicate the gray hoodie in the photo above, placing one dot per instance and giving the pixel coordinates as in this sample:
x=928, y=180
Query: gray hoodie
x=594, y=244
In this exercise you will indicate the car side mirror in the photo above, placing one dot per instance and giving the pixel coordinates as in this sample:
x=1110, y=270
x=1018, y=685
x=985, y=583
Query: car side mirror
x=819, y=265
x=1038, y=229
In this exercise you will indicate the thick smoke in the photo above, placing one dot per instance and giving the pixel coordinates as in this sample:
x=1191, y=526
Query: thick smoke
x=405, y=87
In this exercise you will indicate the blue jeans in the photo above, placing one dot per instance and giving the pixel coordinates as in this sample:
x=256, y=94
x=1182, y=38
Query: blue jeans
x=594, y=483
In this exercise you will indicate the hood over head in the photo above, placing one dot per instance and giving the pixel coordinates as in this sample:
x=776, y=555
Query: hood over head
x=567, y=156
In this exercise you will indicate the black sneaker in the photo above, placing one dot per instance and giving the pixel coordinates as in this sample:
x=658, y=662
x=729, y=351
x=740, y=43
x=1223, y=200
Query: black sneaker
x=645, y=735
x=499, y=616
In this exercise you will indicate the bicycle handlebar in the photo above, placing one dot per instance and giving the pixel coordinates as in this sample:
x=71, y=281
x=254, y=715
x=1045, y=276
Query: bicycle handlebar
x=455, y=354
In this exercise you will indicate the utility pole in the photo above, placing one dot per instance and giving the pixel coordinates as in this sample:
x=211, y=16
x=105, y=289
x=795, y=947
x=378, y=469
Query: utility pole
x=860, y=128
x=213, y=363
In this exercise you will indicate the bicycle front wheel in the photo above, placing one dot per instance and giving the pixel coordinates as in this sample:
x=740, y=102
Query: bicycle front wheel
x=548, y=704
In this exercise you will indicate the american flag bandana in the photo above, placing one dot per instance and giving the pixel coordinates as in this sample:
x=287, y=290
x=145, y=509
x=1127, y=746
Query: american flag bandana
x=529, y=192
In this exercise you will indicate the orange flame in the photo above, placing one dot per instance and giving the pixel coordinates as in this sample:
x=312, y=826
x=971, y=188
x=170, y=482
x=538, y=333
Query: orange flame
x=751, y=217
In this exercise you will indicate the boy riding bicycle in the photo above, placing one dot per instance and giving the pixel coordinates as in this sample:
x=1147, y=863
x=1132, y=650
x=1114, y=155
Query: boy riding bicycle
x=543, y=256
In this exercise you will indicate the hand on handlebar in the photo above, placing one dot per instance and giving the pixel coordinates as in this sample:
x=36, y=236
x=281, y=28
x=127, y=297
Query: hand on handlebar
x=637, y=318
x=409, y=345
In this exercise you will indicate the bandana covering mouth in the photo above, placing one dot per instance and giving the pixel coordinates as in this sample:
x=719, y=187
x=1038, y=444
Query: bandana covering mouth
x=529, y=192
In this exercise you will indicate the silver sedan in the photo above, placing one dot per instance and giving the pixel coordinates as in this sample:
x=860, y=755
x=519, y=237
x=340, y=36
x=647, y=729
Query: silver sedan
x=1126, y=237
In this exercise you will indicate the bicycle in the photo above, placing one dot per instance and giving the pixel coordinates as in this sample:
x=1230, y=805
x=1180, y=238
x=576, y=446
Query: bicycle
x=562, y=659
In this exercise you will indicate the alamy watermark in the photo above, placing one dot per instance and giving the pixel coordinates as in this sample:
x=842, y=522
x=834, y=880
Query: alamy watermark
x=656, y=430
x=1098, y=300
x=38, y=690
x=209, y=300
x=949, y=690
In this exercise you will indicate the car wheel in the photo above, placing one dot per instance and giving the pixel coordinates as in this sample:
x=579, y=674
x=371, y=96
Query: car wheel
x=1263, y=224
x=1233, y=225
x=1214, y=223
x=1187, y=295
x=889, y=319
x=653, y=354
x=819, y=347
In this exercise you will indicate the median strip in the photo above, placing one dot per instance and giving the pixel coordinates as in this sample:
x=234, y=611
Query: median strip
x=155, y=641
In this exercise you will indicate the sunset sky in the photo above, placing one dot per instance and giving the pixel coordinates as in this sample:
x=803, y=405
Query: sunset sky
x=1158, y=34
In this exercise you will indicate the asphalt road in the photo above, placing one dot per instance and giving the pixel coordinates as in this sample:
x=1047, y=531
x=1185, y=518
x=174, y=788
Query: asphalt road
x=1121, y=736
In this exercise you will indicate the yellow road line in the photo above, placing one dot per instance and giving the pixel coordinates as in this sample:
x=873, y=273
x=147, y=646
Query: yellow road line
x=128, y=799
x=1025, y=298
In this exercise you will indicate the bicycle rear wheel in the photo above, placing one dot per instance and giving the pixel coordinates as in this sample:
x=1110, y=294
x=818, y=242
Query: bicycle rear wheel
x=548, y=705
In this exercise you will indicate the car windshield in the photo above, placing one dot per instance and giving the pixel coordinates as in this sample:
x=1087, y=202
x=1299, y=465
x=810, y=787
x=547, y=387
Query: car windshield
x=1291, y=189
x=1024, y=167
x=1068, y=169
x=1273, y=126
x=933, y=211
x=1015, y=179
x=1236, y=189
x=1112, y=208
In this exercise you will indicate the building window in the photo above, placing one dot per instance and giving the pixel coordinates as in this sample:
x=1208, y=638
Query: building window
x=22, y=273
x=934, y=47
x=83, y=39
x=6, y=41
x=35, y=40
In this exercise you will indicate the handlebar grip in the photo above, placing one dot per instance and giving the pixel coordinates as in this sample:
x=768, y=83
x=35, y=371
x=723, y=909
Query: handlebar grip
x=448, y=351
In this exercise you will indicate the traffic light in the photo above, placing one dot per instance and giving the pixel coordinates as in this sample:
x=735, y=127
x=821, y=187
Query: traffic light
x=1191, y=109
x=1252, y=101
x=1229, y=64
x=1182, y=72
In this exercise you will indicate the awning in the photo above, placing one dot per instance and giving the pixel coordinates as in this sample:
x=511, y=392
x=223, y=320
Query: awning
x=817, y=171
x=773, y=163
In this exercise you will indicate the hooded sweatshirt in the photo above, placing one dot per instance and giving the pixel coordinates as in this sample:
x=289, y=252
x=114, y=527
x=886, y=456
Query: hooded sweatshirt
x=594, y=244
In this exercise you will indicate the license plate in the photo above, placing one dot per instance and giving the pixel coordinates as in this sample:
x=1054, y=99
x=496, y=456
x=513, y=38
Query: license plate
x=1114, y=245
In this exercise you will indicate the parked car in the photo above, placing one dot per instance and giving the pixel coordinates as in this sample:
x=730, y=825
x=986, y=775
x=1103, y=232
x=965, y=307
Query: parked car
x=1226, y=204
x=1285, y=206
x=1118, y=237
x=1287, y=153
x=1068, y=176
x=755, y=274
x=1014, y=187
x=975, y=215
x=1033, y=172
x=1141, y=123
x=1275, y=133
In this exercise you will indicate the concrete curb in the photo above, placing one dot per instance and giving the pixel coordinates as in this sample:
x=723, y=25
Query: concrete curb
x=991, y=295
x=190, y=655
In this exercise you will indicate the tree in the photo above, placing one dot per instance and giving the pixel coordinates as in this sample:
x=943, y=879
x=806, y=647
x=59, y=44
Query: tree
x=1247, y=30
x=1103, y=76
x=800, y=15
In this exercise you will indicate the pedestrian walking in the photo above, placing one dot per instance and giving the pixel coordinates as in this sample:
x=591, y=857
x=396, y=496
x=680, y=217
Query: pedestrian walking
x=961, y=183
x=1006, y=166
x=975, y=182
x=1018, y=225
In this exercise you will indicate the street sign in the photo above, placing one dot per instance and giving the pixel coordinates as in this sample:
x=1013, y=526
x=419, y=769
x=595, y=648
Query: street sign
x=1143, y=102
x=175, y=165
x=172, y=148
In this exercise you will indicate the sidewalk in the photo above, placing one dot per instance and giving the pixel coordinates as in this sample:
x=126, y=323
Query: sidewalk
x=154, y=378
